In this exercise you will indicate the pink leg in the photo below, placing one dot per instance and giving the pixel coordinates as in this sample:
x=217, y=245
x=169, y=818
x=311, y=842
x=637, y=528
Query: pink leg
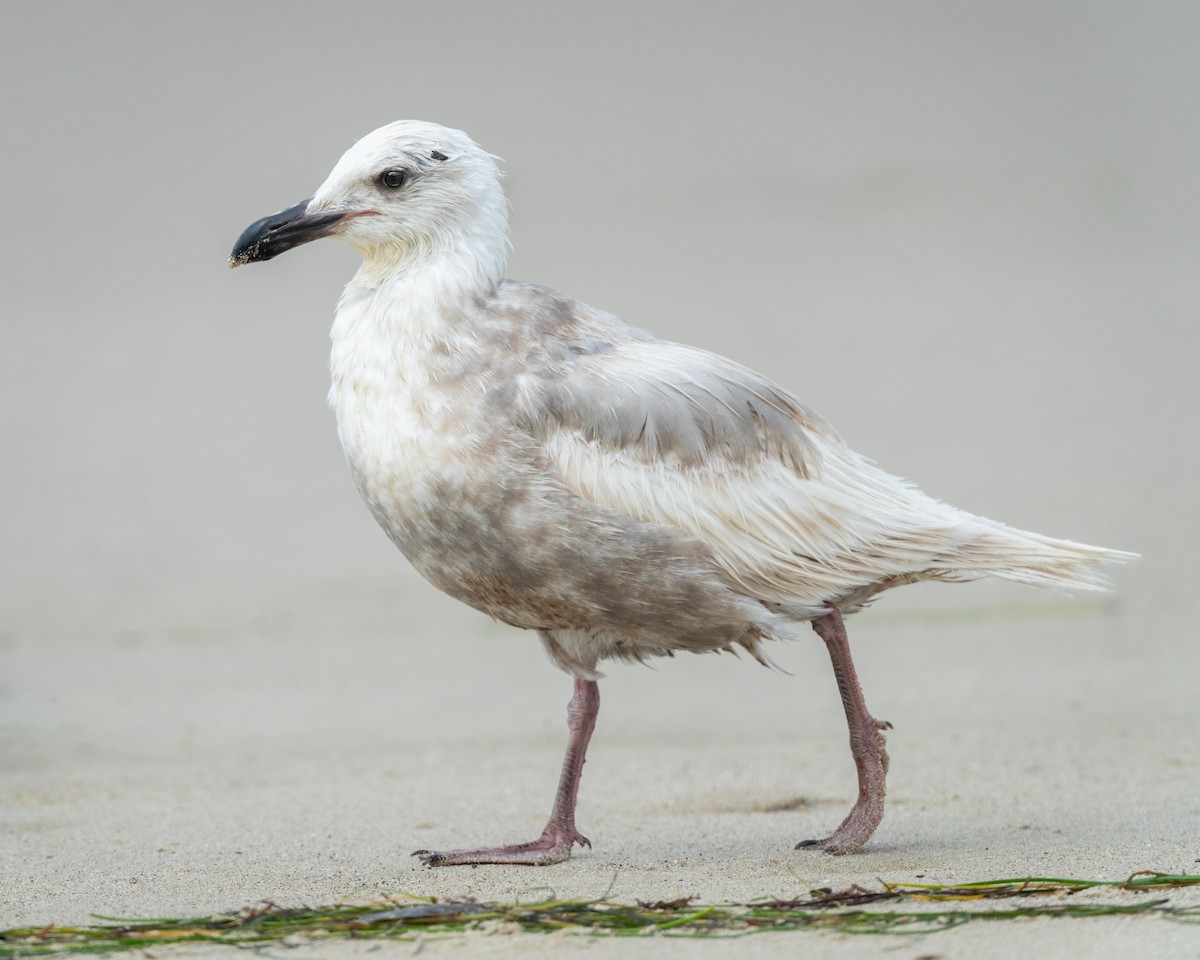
x=866, y=744
x=560, y=836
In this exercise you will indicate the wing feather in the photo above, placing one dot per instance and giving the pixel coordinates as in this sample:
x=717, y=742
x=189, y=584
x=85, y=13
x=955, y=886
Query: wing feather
x=675, y=435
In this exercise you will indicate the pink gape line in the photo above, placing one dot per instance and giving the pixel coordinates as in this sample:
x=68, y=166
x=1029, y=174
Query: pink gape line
x=560, y=835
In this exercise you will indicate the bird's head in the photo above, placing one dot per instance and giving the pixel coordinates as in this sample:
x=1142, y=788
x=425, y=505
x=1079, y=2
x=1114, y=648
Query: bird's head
x=404, y=192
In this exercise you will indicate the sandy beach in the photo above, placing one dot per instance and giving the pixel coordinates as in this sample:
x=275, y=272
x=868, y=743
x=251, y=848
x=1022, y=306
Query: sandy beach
x=966, y=237
x=180, y=773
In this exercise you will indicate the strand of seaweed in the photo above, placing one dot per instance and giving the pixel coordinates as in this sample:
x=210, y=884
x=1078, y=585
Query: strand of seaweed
x=915, y=909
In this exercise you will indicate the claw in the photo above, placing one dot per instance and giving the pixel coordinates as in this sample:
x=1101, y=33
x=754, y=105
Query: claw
x=867, y=744
x=560, y=836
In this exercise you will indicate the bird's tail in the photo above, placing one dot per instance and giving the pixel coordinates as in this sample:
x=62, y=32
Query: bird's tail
x=1040, y=561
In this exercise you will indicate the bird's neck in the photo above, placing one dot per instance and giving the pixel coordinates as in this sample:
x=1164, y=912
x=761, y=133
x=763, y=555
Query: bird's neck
x=430, y=280
x=404, y=306
x=464, y=255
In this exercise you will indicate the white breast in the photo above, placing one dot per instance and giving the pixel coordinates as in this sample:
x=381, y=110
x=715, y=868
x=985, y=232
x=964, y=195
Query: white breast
x=396, y=423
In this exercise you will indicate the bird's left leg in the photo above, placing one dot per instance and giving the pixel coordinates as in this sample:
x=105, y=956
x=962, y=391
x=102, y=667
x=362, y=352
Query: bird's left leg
x=560, y=836
x=867, y=744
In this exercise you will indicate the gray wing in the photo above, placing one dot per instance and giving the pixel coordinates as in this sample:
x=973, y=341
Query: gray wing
x=675, y=435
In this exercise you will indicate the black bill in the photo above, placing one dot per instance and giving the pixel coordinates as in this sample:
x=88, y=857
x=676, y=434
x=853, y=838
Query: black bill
x=273, y=235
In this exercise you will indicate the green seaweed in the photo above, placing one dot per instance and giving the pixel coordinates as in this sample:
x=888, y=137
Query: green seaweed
x=917, y=908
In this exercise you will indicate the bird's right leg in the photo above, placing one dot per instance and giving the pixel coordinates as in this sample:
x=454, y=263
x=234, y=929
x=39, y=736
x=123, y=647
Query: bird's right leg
x=560, y=836
x=867, y=744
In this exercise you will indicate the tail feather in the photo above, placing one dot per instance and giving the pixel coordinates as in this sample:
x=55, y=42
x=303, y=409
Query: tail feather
x=1030, y=558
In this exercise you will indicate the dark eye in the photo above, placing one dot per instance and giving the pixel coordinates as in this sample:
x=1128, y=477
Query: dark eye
x=394, y=179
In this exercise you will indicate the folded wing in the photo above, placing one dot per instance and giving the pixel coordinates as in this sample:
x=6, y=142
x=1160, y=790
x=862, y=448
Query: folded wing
x=675, y=435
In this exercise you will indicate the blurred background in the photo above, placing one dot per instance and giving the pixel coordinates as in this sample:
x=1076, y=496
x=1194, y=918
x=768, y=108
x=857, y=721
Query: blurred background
x=967, y=233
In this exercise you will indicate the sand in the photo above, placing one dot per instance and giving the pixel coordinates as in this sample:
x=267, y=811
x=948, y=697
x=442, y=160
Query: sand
x=972, y=244
x=196, y=771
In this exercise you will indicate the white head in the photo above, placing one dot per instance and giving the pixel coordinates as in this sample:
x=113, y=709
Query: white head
x=405, y=193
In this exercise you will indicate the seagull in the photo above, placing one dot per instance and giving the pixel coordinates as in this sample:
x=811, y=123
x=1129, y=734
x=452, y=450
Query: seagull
x=626, y=497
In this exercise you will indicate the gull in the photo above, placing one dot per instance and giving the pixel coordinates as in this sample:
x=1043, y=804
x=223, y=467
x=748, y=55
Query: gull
x=624, y=496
